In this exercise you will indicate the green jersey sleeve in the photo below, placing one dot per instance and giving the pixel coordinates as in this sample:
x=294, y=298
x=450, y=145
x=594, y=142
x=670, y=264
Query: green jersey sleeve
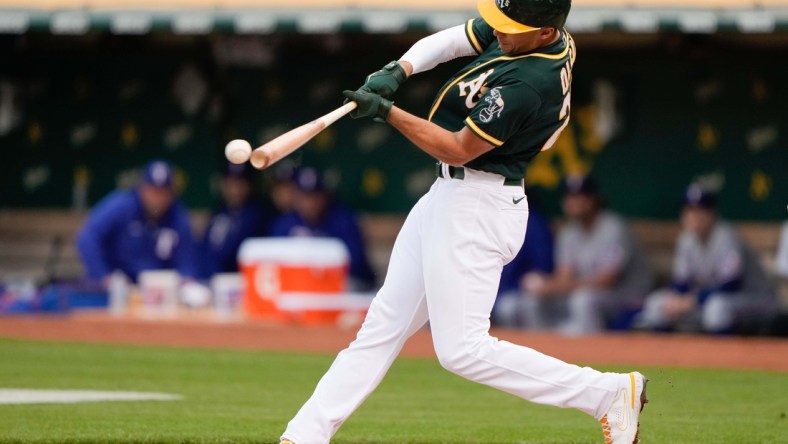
x=503, y=111
x=479, y=33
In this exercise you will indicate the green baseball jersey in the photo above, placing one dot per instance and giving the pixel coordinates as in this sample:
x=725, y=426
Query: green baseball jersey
x=518, y=103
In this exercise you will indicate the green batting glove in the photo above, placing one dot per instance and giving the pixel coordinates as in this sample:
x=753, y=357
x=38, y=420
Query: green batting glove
x=369, y=105
x=386, y=81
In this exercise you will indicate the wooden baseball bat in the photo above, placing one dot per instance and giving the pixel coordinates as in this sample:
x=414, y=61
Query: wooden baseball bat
x=282, y=146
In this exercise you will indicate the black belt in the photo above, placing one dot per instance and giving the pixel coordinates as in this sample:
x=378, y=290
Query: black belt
x=459, y=174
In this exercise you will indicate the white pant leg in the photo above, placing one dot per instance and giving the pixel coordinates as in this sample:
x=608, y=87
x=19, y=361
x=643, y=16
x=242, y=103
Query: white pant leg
x=653, y=314
x=586, y=311
x=526, y=310
x=724, y=311
x=396, y=313
x=718, y=311
x=469, y=234
x=544, y=313
x=508, y=310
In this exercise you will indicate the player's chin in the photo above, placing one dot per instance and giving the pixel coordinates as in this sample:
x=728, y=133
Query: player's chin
x=506, y=49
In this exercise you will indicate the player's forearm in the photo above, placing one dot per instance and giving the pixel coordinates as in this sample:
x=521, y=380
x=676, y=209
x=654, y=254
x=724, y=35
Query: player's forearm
x=604, y=280
x=558, y=286
x=563, y=285
x=438, y=142
x=562, y=282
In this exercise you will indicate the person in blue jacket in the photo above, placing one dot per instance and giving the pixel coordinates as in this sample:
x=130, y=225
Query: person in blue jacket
x=239, y=216
x=317, y=214
x=145, y=228
x=536, y=255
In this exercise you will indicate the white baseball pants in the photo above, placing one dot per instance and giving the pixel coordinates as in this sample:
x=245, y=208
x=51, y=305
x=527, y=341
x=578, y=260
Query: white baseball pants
x=719, y=313
x=445, y=267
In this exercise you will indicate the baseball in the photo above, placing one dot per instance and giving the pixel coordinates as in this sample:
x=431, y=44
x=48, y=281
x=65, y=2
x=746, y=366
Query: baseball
x=238, y=151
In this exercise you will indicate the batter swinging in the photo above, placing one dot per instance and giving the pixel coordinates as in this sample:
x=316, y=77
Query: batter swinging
x=486, y=123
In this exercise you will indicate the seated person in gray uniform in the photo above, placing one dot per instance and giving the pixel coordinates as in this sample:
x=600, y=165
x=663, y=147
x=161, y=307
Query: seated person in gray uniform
x=718, y=284
x=600, y=270
x=781, y=261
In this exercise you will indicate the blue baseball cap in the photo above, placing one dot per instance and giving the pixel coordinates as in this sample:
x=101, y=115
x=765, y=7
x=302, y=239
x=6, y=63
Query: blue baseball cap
x=284, y=172
x=308, y=180
x=579, y=184
x=697, y=196
x=159, y=174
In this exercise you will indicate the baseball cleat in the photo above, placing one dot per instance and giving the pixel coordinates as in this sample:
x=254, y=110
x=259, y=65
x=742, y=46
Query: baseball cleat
x=620, y=424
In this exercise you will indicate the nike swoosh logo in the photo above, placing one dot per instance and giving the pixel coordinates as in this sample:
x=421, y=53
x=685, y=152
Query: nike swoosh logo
x=516, y=201
x=624, y=425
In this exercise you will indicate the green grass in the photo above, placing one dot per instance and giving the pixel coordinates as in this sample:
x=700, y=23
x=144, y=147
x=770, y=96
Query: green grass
x=240, y=397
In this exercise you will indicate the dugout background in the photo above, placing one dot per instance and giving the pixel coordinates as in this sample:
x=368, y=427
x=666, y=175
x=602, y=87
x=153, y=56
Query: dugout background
x=651, y=112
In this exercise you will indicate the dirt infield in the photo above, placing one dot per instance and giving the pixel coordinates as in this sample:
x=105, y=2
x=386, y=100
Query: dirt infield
x=618, y=349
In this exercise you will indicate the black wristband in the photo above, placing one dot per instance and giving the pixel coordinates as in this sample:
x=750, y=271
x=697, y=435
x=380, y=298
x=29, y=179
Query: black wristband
x=384, y=109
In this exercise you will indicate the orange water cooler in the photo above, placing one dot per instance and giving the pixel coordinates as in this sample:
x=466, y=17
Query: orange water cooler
x=294, y=279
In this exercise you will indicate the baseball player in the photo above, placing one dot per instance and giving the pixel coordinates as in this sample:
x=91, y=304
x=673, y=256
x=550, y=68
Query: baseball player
x=239, y=216
x=535, y=257
x=146, y=228
x=601, y=277
x=781, y=260
x=718, y=282
x=316, y=213
x=510, y=102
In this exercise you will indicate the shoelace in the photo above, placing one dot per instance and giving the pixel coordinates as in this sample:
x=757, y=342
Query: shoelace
x=606, y=430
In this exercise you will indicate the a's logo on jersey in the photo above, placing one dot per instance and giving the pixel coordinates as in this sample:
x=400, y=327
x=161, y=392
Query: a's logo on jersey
x=495, y=104
x=473, y=88
x=503, y=4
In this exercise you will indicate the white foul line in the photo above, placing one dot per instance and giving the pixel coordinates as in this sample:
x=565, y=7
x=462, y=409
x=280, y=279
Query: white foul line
x=32, y=396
